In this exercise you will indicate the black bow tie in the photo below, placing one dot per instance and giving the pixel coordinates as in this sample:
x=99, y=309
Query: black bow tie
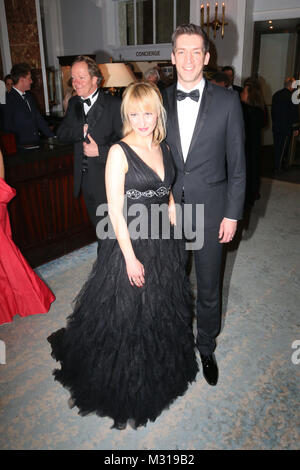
x=181, y=95
x=88, y=100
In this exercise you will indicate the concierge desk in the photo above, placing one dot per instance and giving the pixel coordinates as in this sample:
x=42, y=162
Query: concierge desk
x=46, y=220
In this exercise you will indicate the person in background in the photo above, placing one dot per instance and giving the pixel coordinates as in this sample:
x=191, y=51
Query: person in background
x=152, y=75
x=22, y=292
x=254, y=117
x=92, y=123
x=285, y=118
x=69, y=93
x=230, y=74
x=8, y=82
x=21, y=116
x=220, y=79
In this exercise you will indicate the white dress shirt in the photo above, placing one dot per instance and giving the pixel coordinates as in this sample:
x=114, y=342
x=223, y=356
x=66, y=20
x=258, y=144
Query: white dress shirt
x=93, y=97
x=187, y=111
x=21, y=93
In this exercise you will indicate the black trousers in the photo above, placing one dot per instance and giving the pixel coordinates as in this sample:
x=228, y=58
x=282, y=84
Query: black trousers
x=281, y=149
x=208, y=262
x=91, y=202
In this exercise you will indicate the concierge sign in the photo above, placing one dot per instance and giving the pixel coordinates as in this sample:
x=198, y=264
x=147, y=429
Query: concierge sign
x=143, y=53
x=147, y=54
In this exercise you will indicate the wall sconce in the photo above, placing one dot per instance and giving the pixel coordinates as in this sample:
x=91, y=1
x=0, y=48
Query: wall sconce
x=217, y=23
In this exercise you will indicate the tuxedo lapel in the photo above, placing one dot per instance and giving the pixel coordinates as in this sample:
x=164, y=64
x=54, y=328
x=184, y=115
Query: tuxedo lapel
x=21, y=100
x=204, y=107
x=96, y=110
x=79, y=112
x=173, y=125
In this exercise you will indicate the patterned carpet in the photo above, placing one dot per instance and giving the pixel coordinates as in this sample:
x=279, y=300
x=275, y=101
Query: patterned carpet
x=256, y=402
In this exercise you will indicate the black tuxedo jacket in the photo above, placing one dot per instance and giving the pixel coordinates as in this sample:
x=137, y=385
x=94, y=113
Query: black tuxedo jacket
x=285, y=114
x=214, y=171
x=105, y=127
x=237, y=88
x=23, y=122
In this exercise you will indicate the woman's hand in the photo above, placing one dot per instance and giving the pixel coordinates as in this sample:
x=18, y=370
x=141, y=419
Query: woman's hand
x=135, y=272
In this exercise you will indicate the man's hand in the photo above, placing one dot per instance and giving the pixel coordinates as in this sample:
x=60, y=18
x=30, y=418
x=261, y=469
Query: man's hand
x=227, y=230
x=91, y=149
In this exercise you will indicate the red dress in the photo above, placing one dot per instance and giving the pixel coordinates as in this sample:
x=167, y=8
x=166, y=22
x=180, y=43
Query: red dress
x=22, y=292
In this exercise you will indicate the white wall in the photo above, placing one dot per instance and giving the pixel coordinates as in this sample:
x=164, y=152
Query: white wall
x=274, y=68
x=236, y=47
x=248, y=40
x=276, y=9
x=4, y=41
x=84, y=28
x=227, y=48
x=260, y=5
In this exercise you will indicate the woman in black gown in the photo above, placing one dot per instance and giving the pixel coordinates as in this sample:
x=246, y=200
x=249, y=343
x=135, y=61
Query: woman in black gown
x=127, y=351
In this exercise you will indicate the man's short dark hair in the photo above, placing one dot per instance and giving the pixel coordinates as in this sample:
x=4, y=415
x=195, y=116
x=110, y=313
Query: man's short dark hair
x=92, y=67
x=221, y=77
x=227, y=68
x=18, y=71
x=190, y=29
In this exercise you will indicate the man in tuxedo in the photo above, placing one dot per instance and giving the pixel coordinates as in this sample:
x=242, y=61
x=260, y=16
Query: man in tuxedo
x=220, y=79
x=229, y=71
x=93, y=123
x=21, y=116
x=285, y=119
x=206, y=135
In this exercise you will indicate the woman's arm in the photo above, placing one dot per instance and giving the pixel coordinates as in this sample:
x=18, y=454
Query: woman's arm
x=1, y=166
x=172, y=209
x=115, y=170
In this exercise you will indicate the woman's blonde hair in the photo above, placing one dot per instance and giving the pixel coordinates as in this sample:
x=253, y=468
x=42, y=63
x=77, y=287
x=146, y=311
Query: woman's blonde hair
x=146, y=96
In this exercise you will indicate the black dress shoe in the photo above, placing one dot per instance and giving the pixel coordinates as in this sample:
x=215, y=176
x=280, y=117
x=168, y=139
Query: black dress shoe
x=210, y=369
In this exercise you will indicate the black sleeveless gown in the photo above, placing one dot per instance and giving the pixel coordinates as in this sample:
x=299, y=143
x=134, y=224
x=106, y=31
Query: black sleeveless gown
x=127, y=352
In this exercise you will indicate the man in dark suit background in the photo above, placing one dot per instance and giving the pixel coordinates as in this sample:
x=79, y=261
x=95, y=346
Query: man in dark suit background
x=21, y=116
x=230, y=75
x=285, y=118
x=205, y=132
x=93, y=123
